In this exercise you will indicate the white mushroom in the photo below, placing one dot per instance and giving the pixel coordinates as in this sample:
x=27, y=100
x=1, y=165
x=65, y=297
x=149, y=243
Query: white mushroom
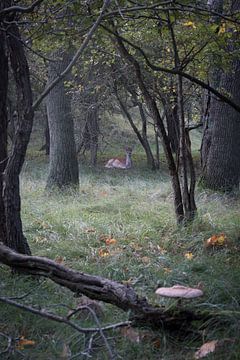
x=179, y=291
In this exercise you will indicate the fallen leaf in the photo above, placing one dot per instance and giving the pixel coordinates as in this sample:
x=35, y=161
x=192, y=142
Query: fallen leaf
x=130, y=333
x=216, y=240
x=90, y=230
x=22, y=342
x=103, y=252
x=190, y=24
x=145, y=259
x=189, y=255
x=222, y=29
x=206, y=349
x=110, y=241
x=59, y=260
x=157, y=343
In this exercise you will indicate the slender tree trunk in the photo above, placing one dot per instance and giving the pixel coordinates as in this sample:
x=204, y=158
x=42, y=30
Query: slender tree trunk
x=3, y=125
x=221, y=167
x=11, y=192
x=141, y=137
x=63, y=168
x=153, y=109
x=93, y=131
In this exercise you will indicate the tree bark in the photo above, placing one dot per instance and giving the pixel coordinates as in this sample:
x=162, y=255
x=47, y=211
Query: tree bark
x=63, y=167
x=11, y=192
x=214, y=78
x=221, y=166
x=3, y=124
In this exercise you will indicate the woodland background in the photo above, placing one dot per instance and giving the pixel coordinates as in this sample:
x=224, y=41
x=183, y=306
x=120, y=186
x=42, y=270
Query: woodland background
x=80, y=82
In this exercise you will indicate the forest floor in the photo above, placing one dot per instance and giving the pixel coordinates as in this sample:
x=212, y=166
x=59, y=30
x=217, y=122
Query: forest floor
x=133, y=210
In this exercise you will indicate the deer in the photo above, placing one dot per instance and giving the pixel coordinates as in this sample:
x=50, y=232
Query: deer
x=119, y=163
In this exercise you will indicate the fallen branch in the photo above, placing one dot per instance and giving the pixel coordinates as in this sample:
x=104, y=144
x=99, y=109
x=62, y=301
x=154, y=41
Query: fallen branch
x=99, y=288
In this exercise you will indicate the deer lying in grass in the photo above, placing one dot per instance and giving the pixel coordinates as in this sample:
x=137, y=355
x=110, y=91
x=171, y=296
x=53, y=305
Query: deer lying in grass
x=118, y=163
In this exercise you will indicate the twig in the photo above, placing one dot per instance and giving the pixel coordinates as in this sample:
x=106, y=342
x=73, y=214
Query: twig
x=51, y=316
x=100, y=331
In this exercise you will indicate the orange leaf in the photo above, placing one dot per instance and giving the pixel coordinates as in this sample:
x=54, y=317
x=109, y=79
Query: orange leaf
x=110, y=241
x=23, y=342
x=206, y=349
x=216, y=240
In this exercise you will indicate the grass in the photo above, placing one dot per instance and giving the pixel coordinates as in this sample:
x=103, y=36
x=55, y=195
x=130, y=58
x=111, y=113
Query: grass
x=135, y=208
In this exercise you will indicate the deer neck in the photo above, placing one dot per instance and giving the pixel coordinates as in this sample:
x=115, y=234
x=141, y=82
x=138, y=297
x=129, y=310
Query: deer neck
x=128, y=160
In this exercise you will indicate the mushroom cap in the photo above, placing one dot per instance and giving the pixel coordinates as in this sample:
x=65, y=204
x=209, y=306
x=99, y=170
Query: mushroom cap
x=179, y=291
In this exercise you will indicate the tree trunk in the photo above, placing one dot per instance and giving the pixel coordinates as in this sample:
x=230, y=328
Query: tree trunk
x=63, y=168
x=11, y=192
x=221, y=170
x=3, y=125
x=214, y=78
x=142, y=137
x=153, y=109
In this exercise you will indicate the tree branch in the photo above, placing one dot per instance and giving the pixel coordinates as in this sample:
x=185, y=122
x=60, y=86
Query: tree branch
x=98, y=288
x=75, y=57
x=187, y=76
x=20, y=9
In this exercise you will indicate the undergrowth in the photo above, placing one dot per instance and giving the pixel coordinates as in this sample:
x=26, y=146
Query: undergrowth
x=135, y=209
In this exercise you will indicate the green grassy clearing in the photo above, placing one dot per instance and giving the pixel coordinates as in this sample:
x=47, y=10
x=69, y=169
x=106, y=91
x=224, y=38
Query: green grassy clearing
x=135, y=208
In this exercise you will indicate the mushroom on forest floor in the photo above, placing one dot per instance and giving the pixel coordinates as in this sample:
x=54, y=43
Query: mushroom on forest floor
x=179, y=292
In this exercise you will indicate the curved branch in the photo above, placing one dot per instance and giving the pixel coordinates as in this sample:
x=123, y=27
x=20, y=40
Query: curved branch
x=99, y=288
x=175, y=71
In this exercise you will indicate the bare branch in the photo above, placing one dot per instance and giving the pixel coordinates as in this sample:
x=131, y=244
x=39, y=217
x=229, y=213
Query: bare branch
x=75, y=57
x=98, y=288
x=51, y=316
x=20, y=9
x=175, y=71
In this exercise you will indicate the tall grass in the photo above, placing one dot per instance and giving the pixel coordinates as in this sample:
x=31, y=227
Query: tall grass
x=135, y=208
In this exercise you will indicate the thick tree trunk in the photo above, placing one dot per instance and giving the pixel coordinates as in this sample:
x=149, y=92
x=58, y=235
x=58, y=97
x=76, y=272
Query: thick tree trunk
x=221, y=165
x=63, y=168
x=214, y=78
x=11, y=192
x=3, y=125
